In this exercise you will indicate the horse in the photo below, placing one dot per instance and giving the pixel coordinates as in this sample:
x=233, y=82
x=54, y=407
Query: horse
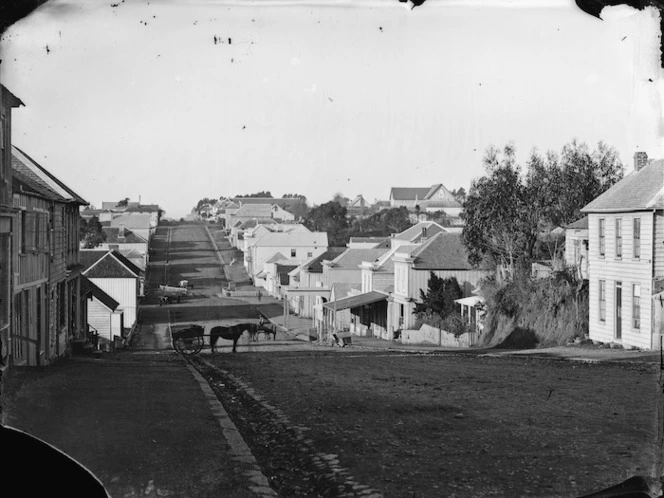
x=231, y=332
x=267, y=329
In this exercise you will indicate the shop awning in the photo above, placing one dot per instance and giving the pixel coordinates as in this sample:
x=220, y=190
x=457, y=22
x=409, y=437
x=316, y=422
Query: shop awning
x=355, y=301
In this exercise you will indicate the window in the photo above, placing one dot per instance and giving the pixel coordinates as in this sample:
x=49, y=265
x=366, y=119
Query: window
x=602, y=246
x=293, y=252
x=636, y=306
x=310, y=254
x=618, y=238
x=602, y=300
x=34, y=231
x=637, y=238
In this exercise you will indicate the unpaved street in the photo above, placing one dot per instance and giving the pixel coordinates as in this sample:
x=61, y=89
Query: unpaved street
x=330, y=422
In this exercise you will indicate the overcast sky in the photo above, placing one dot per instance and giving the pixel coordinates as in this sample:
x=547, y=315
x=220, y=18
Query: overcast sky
x=321, y=96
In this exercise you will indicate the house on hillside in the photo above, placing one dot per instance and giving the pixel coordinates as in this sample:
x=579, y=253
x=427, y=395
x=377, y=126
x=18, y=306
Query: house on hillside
x=118, y=277
x=126, y=242
x=8, y=102
x=48, y=310
x=298, y=246
x=306, y=283
x=626, y=258
x=426, y=199
x=103, y=314
x=139, y=223
x=417, y=234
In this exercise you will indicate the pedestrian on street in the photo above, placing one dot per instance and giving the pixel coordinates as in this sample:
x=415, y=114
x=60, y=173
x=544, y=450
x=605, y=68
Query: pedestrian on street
x=259, y=295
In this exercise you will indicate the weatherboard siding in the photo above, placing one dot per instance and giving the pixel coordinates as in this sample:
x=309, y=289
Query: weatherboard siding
x=628, y=271
x=124, y=291
x=99, y=317
x=658, y=244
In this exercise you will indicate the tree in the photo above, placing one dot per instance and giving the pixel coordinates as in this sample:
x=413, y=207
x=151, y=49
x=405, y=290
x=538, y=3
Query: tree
x=262, y=193
x=382, y=223
x=459, y=195
x=123, y=203
x=331, y=218
x=506, y=211
x=91, y=233
x=205, y=201
x=340, y=199
x=498, y=227
x=295, y=196
x=438, y=301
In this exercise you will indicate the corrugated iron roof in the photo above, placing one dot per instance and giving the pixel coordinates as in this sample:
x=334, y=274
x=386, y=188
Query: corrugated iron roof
x=356, y=301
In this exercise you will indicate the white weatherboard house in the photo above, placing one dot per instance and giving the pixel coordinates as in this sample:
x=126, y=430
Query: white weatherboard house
x=626, y=258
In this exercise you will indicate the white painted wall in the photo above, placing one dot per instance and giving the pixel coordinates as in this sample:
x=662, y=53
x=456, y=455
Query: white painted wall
x=124, y=291
x=628, y=271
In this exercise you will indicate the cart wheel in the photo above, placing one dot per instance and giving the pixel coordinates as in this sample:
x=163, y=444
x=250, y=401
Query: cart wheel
x=189, y=345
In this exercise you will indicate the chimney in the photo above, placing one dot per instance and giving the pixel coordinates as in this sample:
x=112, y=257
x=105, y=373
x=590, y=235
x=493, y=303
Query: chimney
x=424, y=233
x=121, y=232
x=640, y=160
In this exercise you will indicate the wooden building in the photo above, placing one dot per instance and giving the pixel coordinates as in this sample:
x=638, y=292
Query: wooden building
x=48, y=310
x=7, y=102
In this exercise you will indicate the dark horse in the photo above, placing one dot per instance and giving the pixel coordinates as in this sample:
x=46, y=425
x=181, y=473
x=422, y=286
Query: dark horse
x=231, y=332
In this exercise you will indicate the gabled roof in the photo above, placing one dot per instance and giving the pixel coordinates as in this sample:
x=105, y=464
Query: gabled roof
x=107, y=264
x=282, y=271
x=88, y=288
x=142, y=208
x=252, y=223
x=351, y=259
x=315, y=265
x=8, y=96
x=581, y=224
x=640, y=190
x=342, y=289
x=415, y=233
x=113, y=236
x=293, y=239
x=444, y=251
x=276, y=257
x=359, y=201
x=254, y=211
x=132, y=220
x=40, y=181
x=409, y=193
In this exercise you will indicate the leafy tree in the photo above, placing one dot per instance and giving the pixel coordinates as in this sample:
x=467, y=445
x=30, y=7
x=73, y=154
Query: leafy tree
x=382, y=223
x=91, y=234
x=124, y=202
x=262, y=193
x=438, y=301
x=340, y=199
x=459, y=195
x=205, y=201
x=331, y=218
x=295, y=196
x=505, y=210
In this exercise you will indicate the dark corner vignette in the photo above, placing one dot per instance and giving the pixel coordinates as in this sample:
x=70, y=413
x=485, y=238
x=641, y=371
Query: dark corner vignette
x=594, y=8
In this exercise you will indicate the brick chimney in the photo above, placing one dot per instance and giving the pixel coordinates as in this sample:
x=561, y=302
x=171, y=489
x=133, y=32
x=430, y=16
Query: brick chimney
x=640, y=160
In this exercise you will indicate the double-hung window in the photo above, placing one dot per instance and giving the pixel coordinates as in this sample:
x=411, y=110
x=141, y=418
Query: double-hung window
x=602, y=236
x=637, y=238
x=602, y=300
x=636, y=306
x=618, y=237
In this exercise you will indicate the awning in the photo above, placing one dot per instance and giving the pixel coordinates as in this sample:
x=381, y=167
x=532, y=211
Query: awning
x=470, y=301
x=355, y=301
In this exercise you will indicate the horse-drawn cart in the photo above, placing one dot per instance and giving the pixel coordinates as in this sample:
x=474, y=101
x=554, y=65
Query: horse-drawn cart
x=192, y=339
x=168, y=293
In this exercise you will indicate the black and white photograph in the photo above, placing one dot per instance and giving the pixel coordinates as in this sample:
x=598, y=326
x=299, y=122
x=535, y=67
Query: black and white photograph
x=332, y=248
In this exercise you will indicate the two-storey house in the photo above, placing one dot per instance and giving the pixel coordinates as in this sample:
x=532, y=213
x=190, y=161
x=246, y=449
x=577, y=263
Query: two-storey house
x=8, y=102
x=49, y=313
x=626, y=258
